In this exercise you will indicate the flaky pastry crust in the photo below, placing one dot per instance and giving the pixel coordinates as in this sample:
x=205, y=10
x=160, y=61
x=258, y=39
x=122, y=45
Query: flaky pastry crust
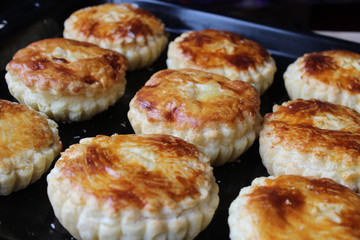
x=332, y=76
x=295, y=207
x=224, y=53
x=133, y=187
x=124, y=28
x=28, y=145
x=312, y=138
x=221, y=117
x=66, y=79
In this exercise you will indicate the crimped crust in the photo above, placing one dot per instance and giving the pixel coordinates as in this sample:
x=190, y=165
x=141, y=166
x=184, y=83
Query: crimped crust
x=332, y=76
x=124, y=28
x=66, y=79
x=224, y=53
x=221, y=117
x=28, y=145
x=295, y=207
x=133, y=187
x=313, y=138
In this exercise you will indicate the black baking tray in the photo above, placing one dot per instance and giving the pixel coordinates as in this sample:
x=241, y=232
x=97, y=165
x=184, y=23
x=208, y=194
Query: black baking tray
x=27, y=214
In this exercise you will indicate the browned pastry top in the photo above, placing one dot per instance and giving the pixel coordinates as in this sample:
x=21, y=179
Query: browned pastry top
x=337, y=68
x=142, y=171
x=192, y=98
x=212, y=48
x=23, y=130
x=115, y=22
x=304, y=124
x=59, y=65
x=295, y=207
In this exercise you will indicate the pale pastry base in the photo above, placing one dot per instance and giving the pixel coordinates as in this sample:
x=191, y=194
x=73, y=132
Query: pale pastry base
x=279, y=160
x=298, y=86
x=27, y=167
x=67, y=108
x=220, y=142
x=138, y=52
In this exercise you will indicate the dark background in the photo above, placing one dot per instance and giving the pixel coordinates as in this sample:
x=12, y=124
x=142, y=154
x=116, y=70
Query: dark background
x=336, y=15
x=299, y=15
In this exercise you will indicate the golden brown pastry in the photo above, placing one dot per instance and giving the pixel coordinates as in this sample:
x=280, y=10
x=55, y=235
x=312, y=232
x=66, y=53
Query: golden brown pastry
x=124, y=28
x=312, y=138
x=29, y=143
x=224, y=53
x=133, y=187
x=221, y=117
x=66, y=79
x=332, y=76
x=295, y=207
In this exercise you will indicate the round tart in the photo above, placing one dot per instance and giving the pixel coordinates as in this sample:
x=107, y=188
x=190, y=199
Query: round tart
x=295, y=207
x=332, y=76
x=124, y=28
x=28, y=145
x=221, y=117
x=66, y=79
x=224, y=53
x=133, y=187
x=312, y=138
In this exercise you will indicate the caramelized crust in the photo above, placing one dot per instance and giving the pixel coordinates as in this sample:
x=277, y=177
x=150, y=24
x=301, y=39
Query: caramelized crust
x=213, y=48
x=302, y=124
x=337, y=68
x=140, y=172
x=332, y=76
x=133, y=187
x=223, y=53
x=116, y=22
x=299, y=208
x=219, y=116
x=192, y=98
x=68, y=67
x=124, y=28
x=29, y=143
x=323, y=139
x=22, y=130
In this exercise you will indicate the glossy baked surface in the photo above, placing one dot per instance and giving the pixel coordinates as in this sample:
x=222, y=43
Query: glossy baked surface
x=294, y=204
x=67, y=67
